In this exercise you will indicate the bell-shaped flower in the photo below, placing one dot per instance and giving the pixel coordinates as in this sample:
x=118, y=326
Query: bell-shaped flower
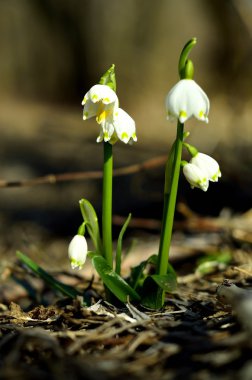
x=77, y=251
x=119, y=127
x=115, y=124
x=208, y=165
x=187, y=99
x=100, y=101
x=195, y=176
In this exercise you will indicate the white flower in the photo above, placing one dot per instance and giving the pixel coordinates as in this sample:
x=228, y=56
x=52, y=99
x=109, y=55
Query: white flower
x=100, y=101
x=77, y=251
x=207, y=164
x=115, y=124
x=195, y=176
x=121, y=126
x=187, y=99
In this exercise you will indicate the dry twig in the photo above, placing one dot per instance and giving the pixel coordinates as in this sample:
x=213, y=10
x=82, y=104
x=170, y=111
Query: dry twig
x=76, y=176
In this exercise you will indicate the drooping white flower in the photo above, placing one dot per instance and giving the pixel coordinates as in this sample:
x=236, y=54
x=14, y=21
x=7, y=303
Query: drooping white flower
x=115, y=124
x=208, y=165
x=187, y=99
x=77, y=251
x=195, y=176
x=121, y=126
x=100, y=101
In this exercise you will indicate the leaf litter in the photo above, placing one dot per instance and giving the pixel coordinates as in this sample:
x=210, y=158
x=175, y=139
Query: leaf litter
x=203, y=332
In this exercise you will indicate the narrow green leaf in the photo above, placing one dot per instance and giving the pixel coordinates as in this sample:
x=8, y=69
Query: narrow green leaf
x=90, y=217
x=119, y=245
x=66, y=290
x=115, y=283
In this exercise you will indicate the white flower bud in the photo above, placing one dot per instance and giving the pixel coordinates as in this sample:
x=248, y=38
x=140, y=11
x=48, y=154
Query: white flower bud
x=77, y=251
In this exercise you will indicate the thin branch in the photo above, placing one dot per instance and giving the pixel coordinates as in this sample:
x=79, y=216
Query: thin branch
x=76, y=176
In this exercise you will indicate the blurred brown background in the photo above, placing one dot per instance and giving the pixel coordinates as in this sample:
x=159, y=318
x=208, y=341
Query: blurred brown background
x=53, y=51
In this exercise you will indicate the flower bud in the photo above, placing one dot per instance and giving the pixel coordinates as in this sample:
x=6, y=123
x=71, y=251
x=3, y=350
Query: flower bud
x=77, y=251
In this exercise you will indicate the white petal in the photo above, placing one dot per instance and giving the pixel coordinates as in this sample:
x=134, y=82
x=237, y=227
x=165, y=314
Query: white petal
x=101, y=92
x=90, y=110
x=99, y=101
x=100, y=137
x=125, y=126
x=107, y=128
x=195, y=177
x=207, y=164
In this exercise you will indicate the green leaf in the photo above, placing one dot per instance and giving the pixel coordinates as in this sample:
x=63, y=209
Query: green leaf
x=152, y=294
x=119, y=245
x=109, y=78
x=66, y=290
x=224, y=257
x=90, y=217
x=137, y=275
x=212, y=262
x=115, y=283
x=155, y=286
x=167, y=282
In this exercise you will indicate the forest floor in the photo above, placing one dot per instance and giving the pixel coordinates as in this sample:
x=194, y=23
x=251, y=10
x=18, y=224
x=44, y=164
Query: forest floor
x=198, y=335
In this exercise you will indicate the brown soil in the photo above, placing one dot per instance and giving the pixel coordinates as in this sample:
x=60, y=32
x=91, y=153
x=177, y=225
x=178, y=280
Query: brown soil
x=195, y=336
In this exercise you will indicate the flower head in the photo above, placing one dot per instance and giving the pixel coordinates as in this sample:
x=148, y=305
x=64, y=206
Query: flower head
x=195, y=176
x=187, y=99
x=115, y=124
x=77, y=251
x=208, y=165
x=121, y=126
x=100, y=101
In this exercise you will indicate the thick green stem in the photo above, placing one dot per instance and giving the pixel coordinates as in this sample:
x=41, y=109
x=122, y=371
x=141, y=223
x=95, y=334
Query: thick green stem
x=107, y=203
x=170, y=196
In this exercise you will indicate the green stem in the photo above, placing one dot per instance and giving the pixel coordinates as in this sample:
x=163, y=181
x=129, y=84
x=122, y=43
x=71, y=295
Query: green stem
x=170, y=196
x=107, y=203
